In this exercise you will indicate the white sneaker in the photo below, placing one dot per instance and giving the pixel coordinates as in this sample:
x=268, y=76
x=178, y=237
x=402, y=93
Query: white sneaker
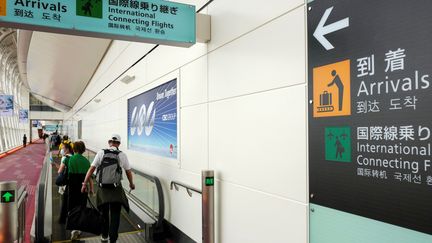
x=103, y=239
x=75, y=234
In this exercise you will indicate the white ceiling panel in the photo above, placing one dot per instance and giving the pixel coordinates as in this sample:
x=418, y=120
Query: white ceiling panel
x=59, y=67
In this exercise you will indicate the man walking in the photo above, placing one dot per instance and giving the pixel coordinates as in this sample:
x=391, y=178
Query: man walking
x=110, y=196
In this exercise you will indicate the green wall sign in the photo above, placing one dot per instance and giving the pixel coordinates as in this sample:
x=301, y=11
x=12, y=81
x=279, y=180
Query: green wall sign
x=209, y=181
x=7, y=196
x=338, y=144
x=151, y=21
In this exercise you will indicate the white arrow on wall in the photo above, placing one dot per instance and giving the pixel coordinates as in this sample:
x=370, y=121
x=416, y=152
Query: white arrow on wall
x=322, y=30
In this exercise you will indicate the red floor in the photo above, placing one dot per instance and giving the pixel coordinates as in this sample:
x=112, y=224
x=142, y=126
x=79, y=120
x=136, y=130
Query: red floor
x=25, y=166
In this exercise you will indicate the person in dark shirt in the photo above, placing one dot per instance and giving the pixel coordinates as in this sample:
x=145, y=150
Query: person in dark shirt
x=24, y=140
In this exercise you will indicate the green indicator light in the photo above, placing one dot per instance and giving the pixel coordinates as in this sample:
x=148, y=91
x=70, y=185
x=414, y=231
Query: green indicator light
x=7, y=196
x=209, y=181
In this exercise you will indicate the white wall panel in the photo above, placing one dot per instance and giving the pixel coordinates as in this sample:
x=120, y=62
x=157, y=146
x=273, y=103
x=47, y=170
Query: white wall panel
x=186, y=213
x=128, y=56
x=270, y=57
x=166, y=59
x=230, y=19
x=249, y=216
x=194, y=138
x=259, y=141
x=115, y=50
x=194, y=85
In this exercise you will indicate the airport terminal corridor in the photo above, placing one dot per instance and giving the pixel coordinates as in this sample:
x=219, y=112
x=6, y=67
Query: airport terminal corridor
x=215, y=121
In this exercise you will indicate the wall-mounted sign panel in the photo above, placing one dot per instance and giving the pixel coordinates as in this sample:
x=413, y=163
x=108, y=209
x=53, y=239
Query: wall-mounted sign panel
x=6, y=105
x=152, y=121
x=151, y=21
x=23, y=115
x=370, y=119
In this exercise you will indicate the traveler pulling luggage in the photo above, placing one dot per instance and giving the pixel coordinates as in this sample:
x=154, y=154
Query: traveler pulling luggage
x=110, y=196
x=77, y=166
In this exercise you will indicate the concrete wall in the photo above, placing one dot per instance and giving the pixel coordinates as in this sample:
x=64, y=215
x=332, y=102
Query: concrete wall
x=242, y=113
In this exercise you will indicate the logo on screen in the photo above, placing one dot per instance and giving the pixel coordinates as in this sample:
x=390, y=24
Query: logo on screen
x=143, y=120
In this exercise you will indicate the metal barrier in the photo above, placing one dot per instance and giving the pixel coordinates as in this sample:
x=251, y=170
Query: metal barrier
x=207, y=181
x=207, y=185
x=189, y=189
x=12, y=212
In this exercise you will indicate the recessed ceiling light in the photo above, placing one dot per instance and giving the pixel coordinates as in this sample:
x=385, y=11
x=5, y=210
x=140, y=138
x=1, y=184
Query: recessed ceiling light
x=127, y=79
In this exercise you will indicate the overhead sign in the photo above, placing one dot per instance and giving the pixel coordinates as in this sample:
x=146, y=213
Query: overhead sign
x=7, y=196
x=370, y=120
x=152, y=21
x=6, y=105
x=152, y=121
x=52, y=128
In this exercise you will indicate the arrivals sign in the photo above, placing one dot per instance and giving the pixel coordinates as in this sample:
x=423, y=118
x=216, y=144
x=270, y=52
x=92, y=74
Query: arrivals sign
x=153, y=21
x=370, y=115
x=152, y=121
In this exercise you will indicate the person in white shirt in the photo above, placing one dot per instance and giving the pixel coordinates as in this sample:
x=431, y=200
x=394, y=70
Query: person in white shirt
x=110, y=196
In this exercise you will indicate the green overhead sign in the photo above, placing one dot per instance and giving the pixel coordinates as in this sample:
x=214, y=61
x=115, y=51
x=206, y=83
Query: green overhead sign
x=151, y=21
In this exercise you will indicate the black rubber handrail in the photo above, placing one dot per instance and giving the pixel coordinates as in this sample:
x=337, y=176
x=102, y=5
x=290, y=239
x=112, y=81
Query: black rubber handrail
x=161, y=200
x=175, y=184
x=41, y=202
x=22, y=195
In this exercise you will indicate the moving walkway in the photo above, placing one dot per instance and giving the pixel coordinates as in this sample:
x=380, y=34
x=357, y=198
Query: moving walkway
x=144, y=223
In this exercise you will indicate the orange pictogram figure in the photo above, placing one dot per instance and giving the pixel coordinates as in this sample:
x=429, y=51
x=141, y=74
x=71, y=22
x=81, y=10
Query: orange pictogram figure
x=331, y=90
x=3, y=7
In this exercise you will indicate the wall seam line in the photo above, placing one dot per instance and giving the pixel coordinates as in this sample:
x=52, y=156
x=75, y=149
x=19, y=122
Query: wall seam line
x=257, y=92
x=262, y=192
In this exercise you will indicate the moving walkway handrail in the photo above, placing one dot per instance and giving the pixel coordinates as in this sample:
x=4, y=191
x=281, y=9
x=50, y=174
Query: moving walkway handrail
x=22, y=195
x=41, y=203
x=175, y=184
x=161, y=201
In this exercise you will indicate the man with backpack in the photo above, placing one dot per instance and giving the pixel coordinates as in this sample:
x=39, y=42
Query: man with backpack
x=110, y=196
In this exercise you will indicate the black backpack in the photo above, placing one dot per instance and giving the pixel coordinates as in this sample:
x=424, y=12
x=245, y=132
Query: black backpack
x=109, y=173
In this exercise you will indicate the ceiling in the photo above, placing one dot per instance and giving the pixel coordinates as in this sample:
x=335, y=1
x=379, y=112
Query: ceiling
x=57, y=68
